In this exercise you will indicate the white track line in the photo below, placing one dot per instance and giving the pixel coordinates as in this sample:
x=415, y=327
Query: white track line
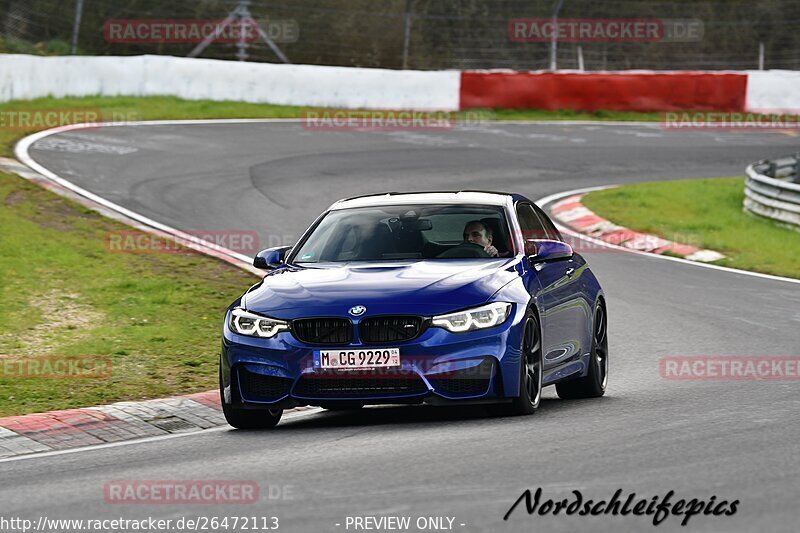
x=38, y=455
x=22, y=151
x=23, y=146
x=542, y=202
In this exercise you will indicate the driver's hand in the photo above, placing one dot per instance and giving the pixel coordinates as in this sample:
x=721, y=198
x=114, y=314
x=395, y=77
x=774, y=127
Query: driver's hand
x=491, y=250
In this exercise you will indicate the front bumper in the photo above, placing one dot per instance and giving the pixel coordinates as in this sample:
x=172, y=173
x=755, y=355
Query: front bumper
x=437, y=367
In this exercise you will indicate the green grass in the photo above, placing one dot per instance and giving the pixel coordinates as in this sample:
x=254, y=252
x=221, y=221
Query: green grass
x=53, y=47
x=157, y=317
x=706, y=213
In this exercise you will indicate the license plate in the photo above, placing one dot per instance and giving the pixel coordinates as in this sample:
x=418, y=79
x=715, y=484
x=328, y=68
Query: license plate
x=374, y=358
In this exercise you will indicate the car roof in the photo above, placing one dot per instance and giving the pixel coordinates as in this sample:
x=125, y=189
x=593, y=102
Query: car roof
x=428, y=197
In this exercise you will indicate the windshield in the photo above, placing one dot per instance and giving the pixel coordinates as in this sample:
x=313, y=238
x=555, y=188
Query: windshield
x=387, y=233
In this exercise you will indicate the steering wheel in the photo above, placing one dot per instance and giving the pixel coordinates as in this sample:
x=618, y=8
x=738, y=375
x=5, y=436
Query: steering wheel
x=464, y=250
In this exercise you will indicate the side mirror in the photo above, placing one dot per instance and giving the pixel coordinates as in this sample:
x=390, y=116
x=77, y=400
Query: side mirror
x=271, y=257
x=546, y=250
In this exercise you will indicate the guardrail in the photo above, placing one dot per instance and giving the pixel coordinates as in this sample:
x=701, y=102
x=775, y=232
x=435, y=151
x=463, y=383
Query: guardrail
x=772, y=189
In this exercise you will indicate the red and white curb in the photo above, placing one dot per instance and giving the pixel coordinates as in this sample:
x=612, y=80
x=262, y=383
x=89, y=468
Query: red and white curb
x=73, y=428
x=117, y=422
x=572, y=213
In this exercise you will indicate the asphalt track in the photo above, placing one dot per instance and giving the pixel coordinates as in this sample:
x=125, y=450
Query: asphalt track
x=649, y=435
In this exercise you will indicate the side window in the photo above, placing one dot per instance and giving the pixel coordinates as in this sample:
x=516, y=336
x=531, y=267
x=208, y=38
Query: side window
x=548, y=224
x=529, y=223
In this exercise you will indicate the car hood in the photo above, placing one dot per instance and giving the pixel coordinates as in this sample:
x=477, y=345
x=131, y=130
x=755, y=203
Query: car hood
x=419, y=287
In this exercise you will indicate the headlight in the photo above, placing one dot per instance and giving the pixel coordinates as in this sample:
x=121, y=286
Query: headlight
x=252, y=325
x=485, y=316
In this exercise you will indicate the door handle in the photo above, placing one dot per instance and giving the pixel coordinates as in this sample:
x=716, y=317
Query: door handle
x=570, y=272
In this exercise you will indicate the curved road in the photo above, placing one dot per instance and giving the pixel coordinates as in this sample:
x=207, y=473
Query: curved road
x=732, y=439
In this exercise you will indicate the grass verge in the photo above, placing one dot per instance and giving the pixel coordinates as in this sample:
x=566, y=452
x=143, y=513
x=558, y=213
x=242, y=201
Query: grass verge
x=155, y=317
x=706, y=213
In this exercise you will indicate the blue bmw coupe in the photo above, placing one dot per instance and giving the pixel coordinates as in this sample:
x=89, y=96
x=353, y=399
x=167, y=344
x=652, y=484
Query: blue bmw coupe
x=441, y=298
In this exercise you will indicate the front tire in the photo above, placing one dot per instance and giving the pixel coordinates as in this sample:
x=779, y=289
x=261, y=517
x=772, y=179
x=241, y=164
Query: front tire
x=593, y=385
x=530, y=379
x=246, y=419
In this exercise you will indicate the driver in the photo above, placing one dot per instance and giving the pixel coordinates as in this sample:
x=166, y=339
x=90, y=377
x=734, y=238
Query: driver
x=479, y=233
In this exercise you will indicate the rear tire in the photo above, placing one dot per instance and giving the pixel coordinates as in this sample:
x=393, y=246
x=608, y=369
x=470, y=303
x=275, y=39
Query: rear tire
x=247, y=419
x=530, y=378
x=593, y=385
